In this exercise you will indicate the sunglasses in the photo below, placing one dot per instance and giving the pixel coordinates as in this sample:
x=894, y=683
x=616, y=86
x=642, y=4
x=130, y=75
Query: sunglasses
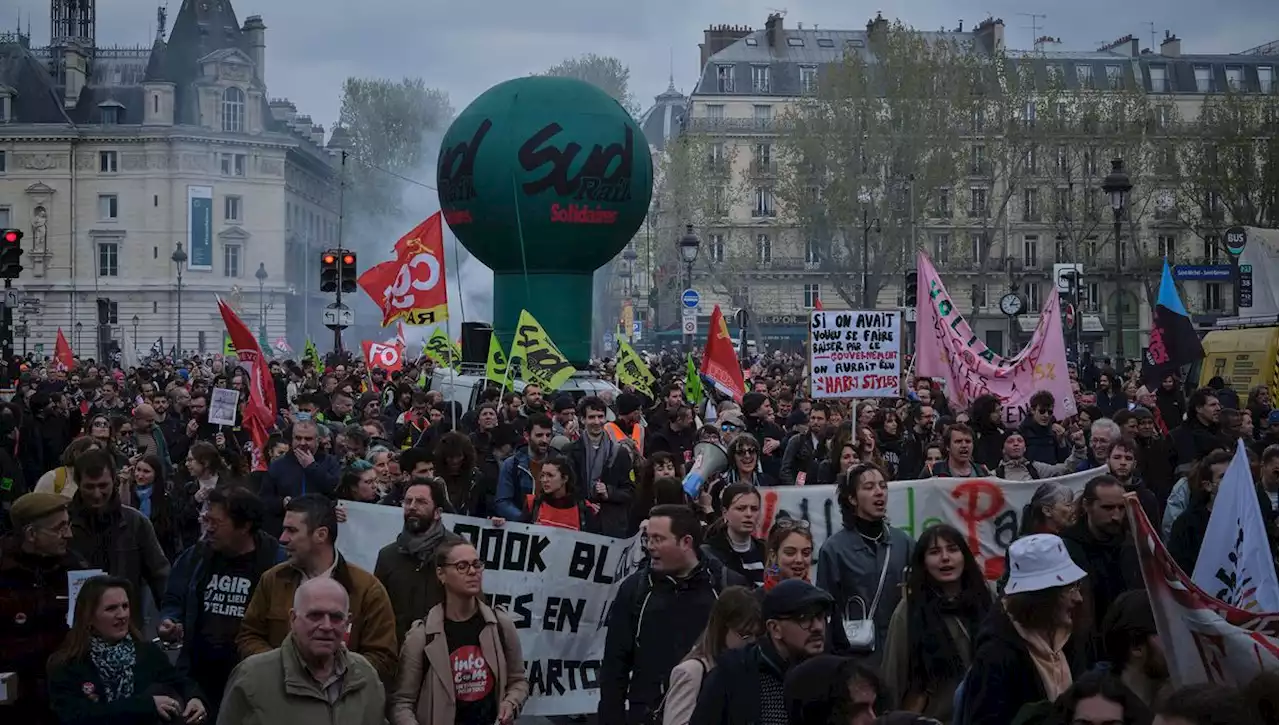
x=728, y=427
x=790, y=524
x=747, y=451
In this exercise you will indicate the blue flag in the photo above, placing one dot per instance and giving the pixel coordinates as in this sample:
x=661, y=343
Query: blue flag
x=1174, y=340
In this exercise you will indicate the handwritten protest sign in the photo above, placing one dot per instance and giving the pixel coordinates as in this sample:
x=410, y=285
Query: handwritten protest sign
x=222, y=406
x=855, y=354
x=556, y=585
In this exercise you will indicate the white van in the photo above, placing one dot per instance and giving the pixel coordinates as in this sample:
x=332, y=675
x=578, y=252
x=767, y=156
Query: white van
x=467, y=386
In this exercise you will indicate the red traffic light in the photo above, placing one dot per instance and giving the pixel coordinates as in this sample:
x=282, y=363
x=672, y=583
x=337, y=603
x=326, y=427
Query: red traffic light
x=348, y=259
x=11, y=236
x=329, y=259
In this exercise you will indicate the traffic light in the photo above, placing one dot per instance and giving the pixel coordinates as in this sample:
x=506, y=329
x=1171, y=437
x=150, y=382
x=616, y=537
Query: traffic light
x=910, y=288
x=10, y=253
x=348, y=271
x=329, y=271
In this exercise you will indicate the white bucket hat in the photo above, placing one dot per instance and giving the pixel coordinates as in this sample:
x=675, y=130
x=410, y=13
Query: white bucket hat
x=1038, y=562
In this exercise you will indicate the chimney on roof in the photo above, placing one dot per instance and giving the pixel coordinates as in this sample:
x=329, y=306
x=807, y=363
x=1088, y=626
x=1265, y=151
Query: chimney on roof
x=773, y=29
x=718, y=37
x=255, y=33
x=877, y=24
x=990, y=35
x=1171, y=46
x=317, y=135
x=76, y=63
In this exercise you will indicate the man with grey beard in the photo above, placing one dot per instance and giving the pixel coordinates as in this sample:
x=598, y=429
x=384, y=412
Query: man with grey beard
x=404, y=566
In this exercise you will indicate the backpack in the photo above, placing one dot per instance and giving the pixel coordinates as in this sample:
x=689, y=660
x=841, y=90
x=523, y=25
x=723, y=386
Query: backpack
x=59, y=479
x=656, y=714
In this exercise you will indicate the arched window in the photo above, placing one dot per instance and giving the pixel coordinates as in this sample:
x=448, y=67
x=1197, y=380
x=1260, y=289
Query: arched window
x=233, y=110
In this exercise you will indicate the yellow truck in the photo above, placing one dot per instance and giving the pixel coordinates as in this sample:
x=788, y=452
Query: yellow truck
x=1244, y=357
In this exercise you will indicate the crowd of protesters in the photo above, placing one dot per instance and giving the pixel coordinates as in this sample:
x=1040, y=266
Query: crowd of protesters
x=226, y=600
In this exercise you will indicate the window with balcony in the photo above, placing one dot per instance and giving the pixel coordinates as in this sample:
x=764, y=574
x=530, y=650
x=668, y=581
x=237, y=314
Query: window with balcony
x=1031, y=290
x=809, y=78
x=715, y=248
x=977, y=160
x=812, y=253
x=1266, y=79
x=764, y=249
x=1061, y=204
x=716, y=157
x=1030, y=251
x=1084, y=75
x=719, y=201
x=979, y=246
x=108, y=259
x=812, y=294
x=978, y=120
x=724, y=78
x=1061, y=250
x=942, y=247
x=1159, y=79
x=942, y=203
x=1031, y=205
x=762, y=114
x=108, y=162
x=1204, y=79
x=1115, y=79
x=978, y=203
x=1213, y=297
x=1235, y=78
x=715, y=112
x=759, y=79
x=1062, y=160
x=1166, y=247
x=764, y=203
x=1031, y=161
x=762, y=160
x=1029, y=114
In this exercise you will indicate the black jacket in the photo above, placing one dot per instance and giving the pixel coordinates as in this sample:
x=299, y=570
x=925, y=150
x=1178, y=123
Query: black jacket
x=678, y=444
x=79, y=697
x=800, y=453
x=1113, y=569
x=654, y=622
x=1003, y=676
x=1188, y=533
x=619, y=480
x=1042, y=445
x=731, y=690
x=762, y=429
x=1194, y=440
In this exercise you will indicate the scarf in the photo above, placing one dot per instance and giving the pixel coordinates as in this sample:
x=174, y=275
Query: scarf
x=420, y=546
x=1046, y=654
x=934, y=655
x=597, y=456
x=115, y=664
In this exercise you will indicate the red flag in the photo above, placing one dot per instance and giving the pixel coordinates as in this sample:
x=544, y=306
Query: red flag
x=382, y=355
x=412, y=287
x=817, y=305
x=260, y=408
x=62, y=354
x=719, y=361
x=377, y=282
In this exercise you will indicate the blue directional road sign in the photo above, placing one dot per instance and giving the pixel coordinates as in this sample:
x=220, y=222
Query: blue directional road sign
x=690, y=298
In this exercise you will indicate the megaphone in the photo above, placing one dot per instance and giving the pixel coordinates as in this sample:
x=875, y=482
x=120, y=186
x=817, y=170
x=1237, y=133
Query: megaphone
x=709, y=461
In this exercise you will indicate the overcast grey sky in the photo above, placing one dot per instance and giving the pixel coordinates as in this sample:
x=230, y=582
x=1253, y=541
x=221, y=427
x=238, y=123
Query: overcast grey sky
x=466, y=47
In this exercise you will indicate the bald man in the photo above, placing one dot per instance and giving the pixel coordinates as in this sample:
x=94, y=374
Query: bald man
x=312, y=677
x=148, y=435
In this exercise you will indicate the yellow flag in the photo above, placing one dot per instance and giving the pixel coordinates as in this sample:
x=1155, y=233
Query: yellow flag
x=439, y=348
x=312, y=355
x=632, y=369
x=228, y=349
x=495, y=368
x=542, y=361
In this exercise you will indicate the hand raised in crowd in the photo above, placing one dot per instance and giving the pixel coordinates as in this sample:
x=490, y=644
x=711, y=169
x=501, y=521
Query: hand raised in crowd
x=195, y=712
x=1077, y=437
x=1058, y=431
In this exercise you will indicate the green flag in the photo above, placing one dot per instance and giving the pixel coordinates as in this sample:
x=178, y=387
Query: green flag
x=311, y=356
x=495, y=368
x=692, y=383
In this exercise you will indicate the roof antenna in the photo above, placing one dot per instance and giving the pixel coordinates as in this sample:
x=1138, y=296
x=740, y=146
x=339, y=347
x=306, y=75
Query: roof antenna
x=671, y=69
x=162, y=21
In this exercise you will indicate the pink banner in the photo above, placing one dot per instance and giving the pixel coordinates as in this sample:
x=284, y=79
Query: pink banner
x=947, y=348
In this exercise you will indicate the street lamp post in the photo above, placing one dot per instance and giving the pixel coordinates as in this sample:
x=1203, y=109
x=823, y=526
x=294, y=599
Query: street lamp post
x=1117, y=186
x=179, y=258
x=261, y=276
x=78, y=326
x=868, y=224
x=689, y=245
x=136, y=322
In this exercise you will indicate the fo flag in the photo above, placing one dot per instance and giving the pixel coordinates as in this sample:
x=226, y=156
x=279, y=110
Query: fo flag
x=1174, y=341
x=719, y=361
x=1235, y=563
x=260, y=408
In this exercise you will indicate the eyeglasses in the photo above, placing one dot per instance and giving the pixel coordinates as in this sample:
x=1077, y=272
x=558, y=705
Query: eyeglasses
x=462, y=567
x=728, y=427
x=790, y=524
x=747, y=451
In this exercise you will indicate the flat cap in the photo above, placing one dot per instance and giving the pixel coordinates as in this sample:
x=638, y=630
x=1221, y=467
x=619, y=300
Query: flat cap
x=31, y=507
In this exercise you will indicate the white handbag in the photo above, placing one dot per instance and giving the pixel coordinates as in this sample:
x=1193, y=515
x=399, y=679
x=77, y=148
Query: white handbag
x=861, y=632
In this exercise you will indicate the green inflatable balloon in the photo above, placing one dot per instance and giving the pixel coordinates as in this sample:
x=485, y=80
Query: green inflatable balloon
x=545, y=179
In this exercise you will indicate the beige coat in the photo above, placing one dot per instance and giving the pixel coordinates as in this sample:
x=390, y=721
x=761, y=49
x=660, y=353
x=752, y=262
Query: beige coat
x=683, y=689
x=274, y=688
x=424, y=690
x=938, y=701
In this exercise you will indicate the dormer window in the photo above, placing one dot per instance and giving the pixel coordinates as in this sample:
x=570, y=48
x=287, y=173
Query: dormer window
x=110, y=112
x=6, y=104
x=233, y=110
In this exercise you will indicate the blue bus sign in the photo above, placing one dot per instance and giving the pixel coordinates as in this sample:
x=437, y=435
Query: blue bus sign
x=690, y=298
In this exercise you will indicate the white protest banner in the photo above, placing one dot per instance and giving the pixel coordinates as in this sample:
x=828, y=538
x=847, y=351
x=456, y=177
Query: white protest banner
x=1235, y=563
x=556, y=585
x=1204, y=639
x=987, y=511
x=855, y=354
x=222, y=406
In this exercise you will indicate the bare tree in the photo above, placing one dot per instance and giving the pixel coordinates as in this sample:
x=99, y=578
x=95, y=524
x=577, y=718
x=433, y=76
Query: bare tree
x=603, y=71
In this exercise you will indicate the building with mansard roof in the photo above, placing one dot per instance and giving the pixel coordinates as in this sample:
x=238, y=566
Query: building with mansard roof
x=111, y=158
